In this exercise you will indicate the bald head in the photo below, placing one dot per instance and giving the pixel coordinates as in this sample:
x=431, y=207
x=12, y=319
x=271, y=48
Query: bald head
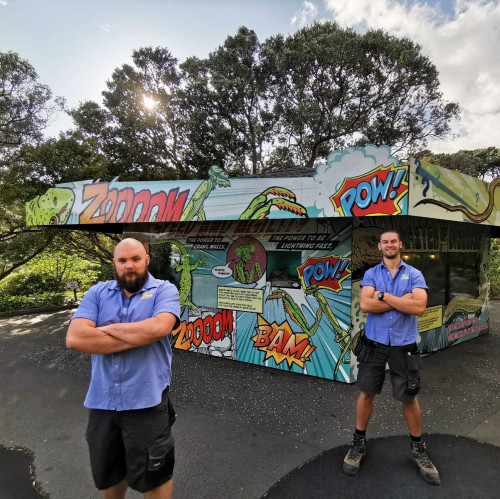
x=129, y=244
x=131, y=265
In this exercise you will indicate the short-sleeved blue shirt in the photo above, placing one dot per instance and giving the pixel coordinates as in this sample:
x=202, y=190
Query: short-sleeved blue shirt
x=393, y=327
x=135, y=378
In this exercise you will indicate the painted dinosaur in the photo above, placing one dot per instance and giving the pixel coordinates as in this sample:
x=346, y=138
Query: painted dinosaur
x=342, y=337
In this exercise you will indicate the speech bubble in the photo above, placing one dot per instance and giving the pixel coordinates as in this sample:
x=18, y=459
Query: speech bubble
x=222, y=271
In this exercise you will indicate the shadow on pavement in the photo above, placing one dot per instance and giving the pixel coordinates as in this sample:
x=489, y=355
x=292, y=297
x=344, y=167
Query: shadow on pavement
x=17, y=475
x=466, y=469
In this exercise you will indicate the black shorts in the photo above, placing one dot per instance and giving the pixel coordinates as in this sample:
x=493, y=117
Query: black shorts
x=135, y=445
x=371, y=373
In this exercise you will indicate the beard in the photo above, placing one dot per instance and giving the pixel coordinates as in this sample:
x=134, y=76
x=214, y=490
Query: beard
x=131, y=281
x=391, y=256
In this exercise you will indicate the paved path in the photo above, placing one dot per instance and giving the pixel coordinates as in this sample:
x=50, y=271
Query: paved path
x=244, y=431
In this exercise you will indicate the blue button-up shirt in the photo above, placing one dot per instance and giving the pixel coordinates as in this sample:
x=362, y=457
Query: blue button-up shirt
x=135, y=378
x=393, y=327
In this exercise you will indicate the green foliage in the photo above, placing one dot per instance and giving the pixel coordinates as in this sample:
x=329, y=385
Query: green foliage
x=25, y=106
x=42, y=300
x=50, y=273
x=30, y=283
x=339, y=88
x=481, y=163
x=252, y=106
x=140, y=143
x=229, y=109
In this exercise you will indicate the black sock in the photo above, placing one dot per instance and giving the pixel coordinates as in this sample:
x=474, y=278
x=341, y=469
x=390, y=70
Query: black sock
x=416, y=439
x=360, y=433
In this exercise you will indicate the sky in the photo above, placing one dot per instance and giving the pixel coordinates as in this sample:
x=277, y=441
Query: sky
x=75, y=45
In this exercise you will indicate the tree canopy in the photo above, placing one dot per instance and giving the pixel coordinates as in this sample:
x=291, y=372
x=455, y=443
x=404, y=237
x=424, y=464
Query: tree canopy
x=25, y=103
x=252, y=106
x=29, y=165
x=249, y=106
x=339, y=88
x=482, y=163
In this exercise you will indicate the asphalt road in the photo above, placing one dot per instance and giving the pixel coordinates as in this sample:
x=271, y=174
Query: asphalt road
x=245, y=431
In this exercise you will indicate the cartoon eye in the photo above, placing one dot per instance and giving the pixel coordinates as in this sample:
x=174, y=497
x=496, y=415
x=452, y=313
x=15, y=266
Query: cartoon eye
x=53, y=220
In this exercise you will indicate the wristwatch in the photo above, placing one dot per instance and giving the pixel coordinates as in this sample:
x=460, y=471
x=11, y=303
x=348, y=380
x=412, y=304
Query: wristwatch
x=380, y=296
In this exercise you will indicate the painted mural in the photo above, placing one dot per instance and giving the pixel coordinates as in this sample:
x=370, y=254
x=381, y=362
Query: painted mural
x=376, y=185
x=445, y=194
x=279, y=298
x=269, y=269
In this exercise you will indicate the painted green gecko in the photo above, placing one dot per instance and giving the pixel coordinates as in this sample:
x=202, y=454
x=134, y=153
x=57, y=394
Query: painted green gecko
x=51, y=208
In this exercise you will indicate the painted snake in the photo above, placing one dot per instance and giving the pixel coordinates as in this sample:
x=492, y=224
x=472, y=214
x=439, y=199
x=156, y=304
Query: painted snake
x=480, y=217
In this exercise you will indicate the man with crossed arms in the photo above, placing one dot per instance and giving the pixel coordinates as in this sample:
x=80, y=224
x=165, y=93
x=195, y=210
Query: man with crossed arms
x=393, y=293
x=125, y=325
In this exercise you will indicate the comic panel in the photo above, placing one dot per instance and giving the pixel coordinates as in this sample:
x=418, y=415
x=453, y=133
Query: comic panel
x=449, y=195
x=279, y=297
x=376, y=185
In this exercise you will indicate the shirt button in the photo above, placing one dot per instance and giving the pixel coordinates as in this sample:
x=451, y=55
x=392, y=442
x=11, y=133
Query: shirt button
x=116, y=366
x=116, y=384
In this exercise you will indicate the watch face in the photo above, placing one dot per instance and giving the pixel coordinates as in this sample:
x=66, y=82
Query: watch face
x=381, y=296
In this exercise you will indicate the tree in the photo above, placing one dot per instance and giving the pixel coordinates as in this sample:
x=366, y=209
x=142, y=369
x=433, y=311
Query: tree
x=29, y=165
x=25, y=110
x=19, y=244
x=481, y=163
x=250, y=106
x=25, y=103
x=339, y=88
x=228, y=106
x=67, y=159
x=138, y=128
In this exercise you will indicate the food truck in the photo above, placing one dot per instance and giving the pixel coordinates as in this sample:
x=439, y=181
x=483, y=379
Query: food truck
x=269, y=268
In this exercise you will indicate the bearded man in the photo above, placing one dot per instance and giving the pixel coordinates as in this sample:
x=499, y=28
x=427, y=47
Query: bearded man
x=124, y=324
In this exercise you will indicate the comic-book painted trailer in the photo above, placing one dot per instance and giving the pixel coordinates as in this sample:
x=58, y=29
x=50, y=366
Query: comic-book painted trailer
x=269, y=269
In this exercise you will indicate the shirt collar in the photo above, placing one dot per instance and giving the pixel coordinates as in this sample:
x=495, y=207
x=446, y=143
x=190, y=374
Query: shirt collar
x=402, y=264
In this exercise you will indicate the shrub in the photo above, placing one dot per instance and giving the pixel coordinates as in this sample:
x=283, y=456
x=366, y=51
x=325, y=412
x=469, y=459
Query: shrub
x=26, y=283
x=41, y=300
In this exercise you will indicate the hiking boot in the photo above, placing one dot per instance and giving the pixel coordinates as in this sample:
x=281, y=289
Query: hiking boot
x=356, y=453
x=427, y=469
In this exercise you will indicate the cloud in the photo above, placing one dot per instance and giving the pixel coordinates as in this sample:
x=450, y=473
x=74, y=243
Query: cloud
x=356, y=161
x=3, y=3
x=304, y=16
x=463, y=45
x=105, y=27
